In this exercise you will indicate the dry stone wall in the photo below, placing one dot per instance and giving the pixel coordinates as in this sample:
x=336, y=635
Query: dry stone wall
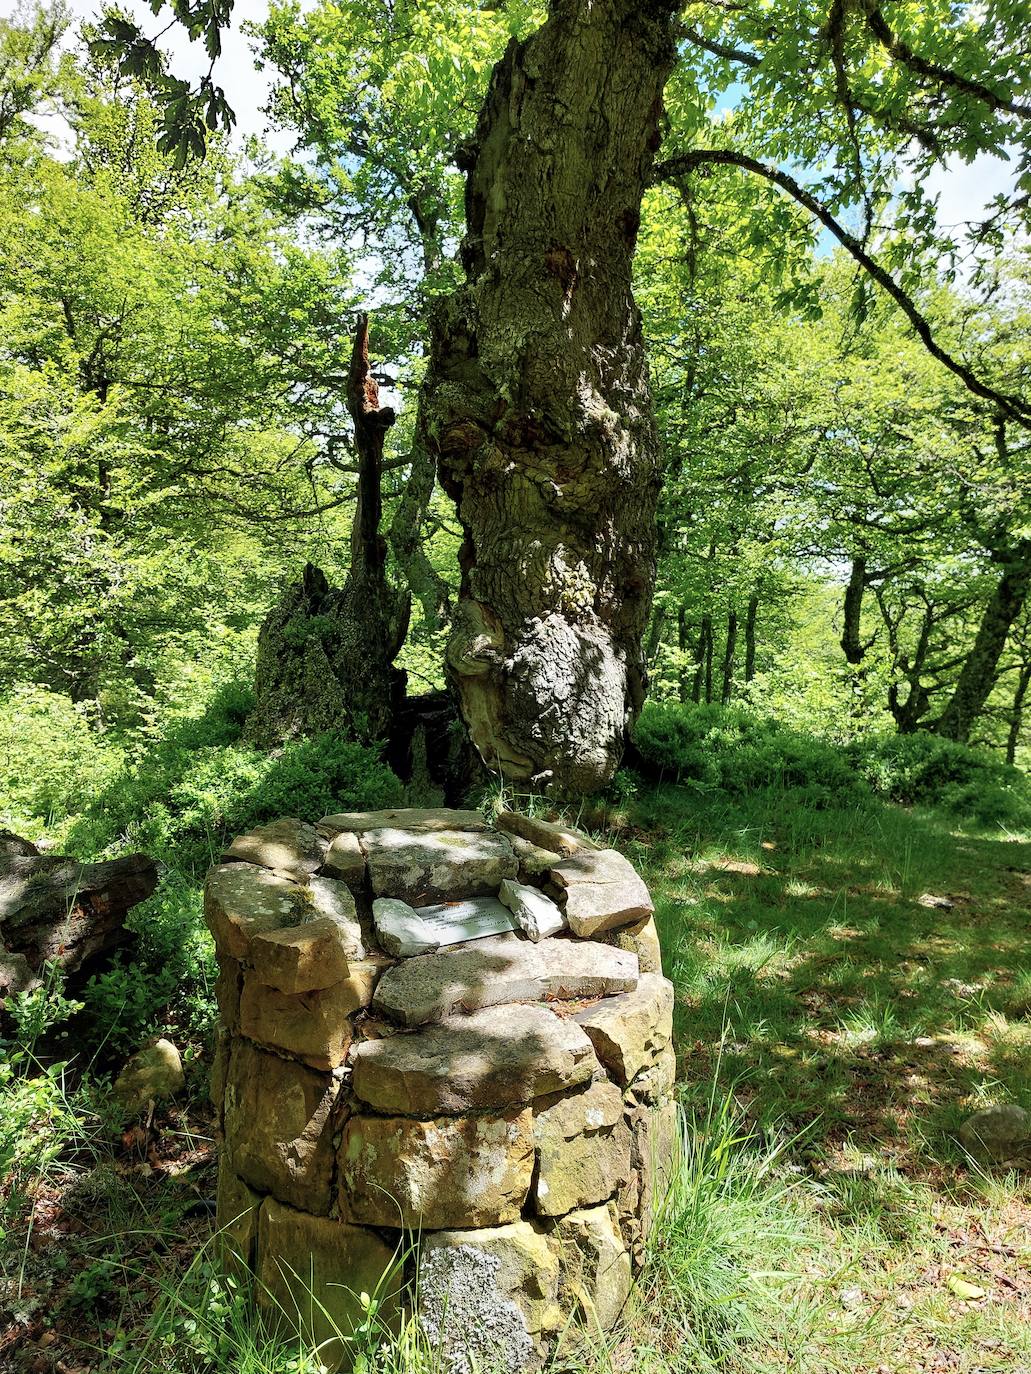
x=433, y=1025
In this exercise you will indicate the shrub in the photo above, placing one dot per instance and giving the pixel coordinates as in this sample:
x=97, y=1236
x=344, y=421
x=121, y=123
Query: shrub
x=179, y=795
x=197, y=783
x=926, y=770
x=49, y=758
x=738, y=752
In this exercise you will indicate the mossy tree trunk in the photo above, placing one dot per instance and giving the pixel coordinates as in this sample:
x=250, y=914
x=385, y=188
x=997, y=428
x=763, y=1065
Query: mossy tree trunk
x=979, y=673
x=325, y=654
x=537, y=402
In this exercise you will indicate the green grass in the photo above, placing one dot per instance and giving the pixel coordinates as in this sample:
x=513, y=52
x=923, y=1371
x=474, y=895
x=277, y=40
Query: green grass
x=846, y=1015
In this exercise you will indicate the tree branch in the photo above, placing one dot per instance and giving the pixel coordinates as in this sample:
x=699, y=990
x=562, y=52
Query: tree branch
x=747, y=59
x=682, y=165
x=934, y=71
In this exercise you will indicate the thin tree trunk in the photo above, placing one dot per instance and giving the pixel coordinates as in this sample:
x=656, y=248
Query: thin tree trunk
x=978, y=674
x=751, y=616
x=685, y=690
x=658, y=624
x=851, y=637
x=704, y=634
x=729, y=654
x=708, y=657
x=537, y=401
x=1017, y=712
x=407, y=543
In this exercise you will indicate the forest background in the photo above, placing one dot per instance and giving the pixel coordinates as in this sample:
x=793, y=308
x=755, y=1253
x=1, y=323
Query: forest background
x=844, y=555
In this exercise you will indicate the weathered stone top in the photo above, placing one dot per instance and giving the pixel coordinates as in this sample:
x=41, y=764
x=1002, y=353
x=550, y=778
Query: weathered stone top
x=504, y=968
x=475, y=916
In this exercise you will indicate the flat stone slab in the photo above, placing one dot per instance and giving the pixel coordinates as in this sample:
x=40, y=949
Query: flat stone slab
x=495, y=1057
x=300, y=958
x=402, y=818
x=404, y=931
x=534, y=863
x=537, y=915
x=312, y=1272
x=629, y=1032
x=503, y=968
x=278, y=1125
x=313, y=1025
x=656, y=1082
x=598, y=1274
x=486, y=1296
x=242, y=900
x=331, y=898
x=600, y=890
x=424, y=867
x=583, y=1150
x=643, y=939
x=550, y=835
x=453, y=923
x=236, y=1221
x=345, y=858
x=288, y=846
x=453, y=1171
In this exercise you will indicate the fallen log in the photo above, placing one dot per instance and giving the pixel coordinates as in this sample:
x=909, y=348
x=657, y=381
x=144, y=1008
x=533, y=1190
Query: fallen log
x=56, y=908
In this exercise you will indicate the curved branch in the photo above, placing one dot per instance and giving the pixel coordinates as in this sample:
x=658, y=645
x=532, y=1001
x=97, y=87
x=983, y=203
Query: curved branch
x=1011, y=406
x=934, y=71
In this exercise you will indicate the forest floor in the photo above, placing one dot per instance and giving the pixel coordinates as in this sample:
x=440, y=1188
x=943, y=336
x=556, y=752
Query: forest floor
x=851, y=985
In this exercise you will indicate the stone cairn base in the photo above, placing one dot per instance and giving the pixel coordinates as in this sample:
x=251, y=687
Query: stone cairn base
x=433, y=1026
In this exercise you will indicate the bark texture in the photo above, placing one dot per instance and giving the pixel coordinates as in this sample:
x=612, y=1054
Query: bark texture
x=978, y=676
x=325, y=654
x=537, y=402
x=851, y=638
x=52, y=907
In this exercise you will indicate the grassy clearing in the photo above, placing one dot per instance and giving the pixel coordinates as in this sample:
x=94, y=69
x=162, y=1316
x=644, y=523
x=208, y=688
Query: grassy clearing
x=851, y=982
x=858, y=982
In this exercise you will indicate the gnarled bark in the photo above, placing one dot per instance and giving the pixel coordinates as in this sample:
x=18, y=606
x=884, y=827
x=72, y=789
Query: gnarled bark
x=537, y=402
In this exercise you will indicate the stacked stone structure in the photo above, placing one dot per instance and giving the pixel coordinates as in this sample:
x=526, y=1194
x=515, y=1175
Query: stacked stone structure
x=506, y=1097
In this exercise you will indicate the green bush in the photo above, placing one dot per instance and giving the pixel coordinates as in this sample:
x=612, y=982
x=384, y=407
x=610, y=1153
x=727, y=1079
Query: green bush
x=178, y=793
x=731, y=749
x=198, y=783
x=925, y=770
x=737, y=752
x=50, y=758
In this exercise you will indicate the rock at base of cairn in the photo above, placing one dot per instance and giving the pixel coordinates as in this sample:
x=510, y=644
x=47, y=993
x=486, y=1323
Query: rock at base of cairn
x=389, y=1064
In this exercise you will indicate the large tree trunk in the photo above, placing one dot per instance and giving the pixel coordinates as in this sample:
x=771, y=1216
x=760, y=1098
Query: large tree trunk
x=978, y=674
x=537, y=402
x=326, y=655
